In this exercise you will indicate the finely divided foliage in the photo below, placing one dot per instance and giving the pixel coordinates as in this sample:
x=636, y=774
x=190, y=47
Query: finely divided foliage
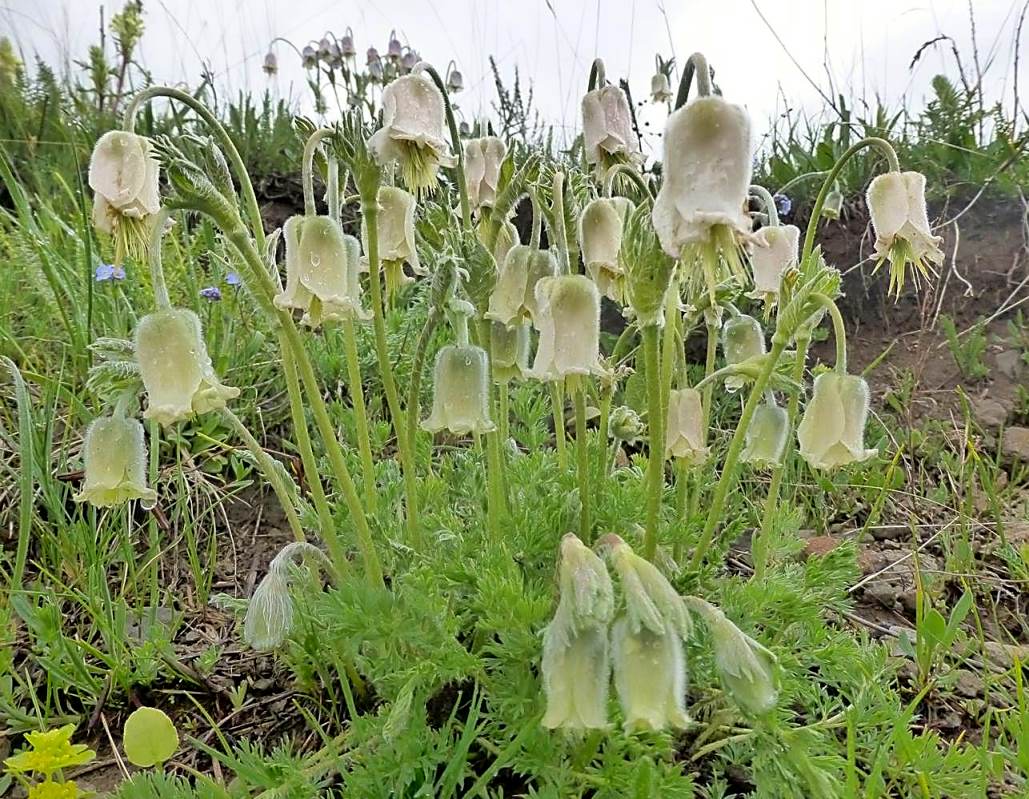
x=474, y=591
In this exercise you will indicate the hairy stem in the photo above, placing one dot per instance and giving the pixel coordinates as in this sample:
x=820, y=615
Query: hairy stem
x=656, y=428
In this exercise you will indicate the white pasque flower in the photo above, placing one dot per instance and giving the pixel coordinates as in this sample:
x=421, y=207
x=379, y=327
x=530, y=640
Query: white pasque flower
x=576, y=665
x=660, y=88
x=601, y=226
x=742, y=340
x=568, y=321
x=607, y=128
x=322, y=270
x=269, y=616
x=707, y=168
x=765, y=440
x=176, y=370
x=514, y=295
x=460, y=400
x=776, y=249
x=685, y=436
x=123, y=174
x=115, y=458
x=896, y=203
x=413, y=130
x=832, y=431
x=482, y=160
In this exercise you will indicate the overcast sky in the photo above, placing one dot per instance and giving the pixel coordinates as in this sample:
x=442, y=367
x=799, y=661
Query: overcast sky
x=864, y=48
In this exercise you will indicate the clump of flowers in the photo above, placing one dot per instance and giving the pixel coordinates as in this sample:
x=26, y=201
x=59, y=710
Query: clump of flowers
x=48, y=753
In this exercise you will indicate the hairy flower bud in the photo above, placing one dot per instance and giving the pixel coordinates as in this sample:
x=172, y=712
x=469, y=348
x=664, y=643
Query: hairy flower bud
x=707, y=168
x=568, y=321
x=115, y=457
x=482, y=160
x=685, y=436
x=576, y=666
x=175, y=367
x=269, y=616
x=600, y=233
x=625, y=424
x=832, y=431
x=646, y=642
x=510, y=350
x=460, y=401
x=742, y=339
x=766, y=437
x=271, y=63
x=412, y=132
x=660, y=88
x=514, y=296
x=322, y=271
x=607, y=128
x=123, y=174
x=648, y=269
x=775, y=250
x=896, y=202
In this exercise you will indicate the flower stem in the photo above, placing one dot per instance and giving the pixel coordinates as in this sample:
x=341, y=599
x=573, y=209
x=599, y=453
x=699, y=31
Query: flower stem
x=696, y=63
x=728, y=476
x=577, y=385
x=455, y=139
x=246, y=186
x=356, y=387
x=307, y=170
x=597, y=76
x=558, y=405
x=655, y=426
x=830, y=179
x=630, y=172
x=839, y=331
x=504, y=403
x=161, y=298
x=768, y=202
x=560, y=237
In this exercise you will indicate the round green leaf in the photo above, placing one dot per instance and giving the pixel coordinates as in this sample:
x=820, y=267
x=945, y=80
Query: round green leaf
x=149, y=737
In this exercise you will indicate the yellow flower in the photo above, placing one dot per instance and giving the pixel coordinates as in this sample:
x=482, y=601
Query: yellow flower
x=50, y=751
x=742, y=339
x=55, y=790
x=685, y=436
x=766, y=436
x=775, y=251
x=601, y=226
x=569, y=324
x=460, y=401
x=482, y=160
x=514, y=296
x=510, y=350
x=832, y=431
x=114, y=452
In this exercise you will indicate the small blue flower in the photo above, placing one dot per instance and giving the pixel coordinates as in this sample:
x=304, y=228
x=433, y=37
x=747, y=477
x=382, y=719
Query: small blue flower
x=106, y=272
x=783, y=204
x=211, y=293
x=233, y=279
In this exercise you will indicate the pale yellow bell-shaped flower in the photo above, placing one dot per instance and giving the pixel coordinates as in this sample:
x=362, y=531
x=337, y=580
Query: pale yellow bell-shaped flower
x=707, y=169
x=123, y=173
x=685, y=436
x=413, y=130
x=896, y=203
x=607, y=131
x=601, y=226
x=646, y=644
x=115, y=458
x=660, y=88
x=568, y=321
x=514, y=295
x=175, y=367
x=460, y=401
x=482, y=160
x=776, y=249
x=322, y=271
x=748, y=670
x=832, y=431
x=269, y=616
x=395, y=226
x=742, y=340
x=765, y=440
x=510, y=350
x=506, y=239
x=576, y=665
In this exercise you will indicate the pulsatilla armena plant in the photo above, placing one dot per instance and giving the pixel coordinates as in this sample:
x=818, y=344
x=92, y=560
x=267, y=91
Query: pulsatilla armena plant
x=673, y=256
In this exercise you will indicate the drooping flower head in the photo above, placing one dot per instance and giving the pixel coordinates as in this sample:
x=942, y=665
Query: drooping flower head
x=309, y=57
x=625, y=425
x=775, y=250
x=685, y=436
x=510, y=350
x=460, y=401
x=646, y=644
x=115, y=458
x=765, y=440
x=176, y=370
x=271, y=63
x=832, y=431
x=514, y=295
x=601, y=226
x=455, y=81
x=742, y=340
x=607, y=128
x=568, y=321
x=482, y=160
x=269, y=616
x=123, y=174
x=413, y=131
x=322, y=271
x=396, y=237
x=576, y=666
x=896, y=202
x=660, y=88
x=699, y=211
